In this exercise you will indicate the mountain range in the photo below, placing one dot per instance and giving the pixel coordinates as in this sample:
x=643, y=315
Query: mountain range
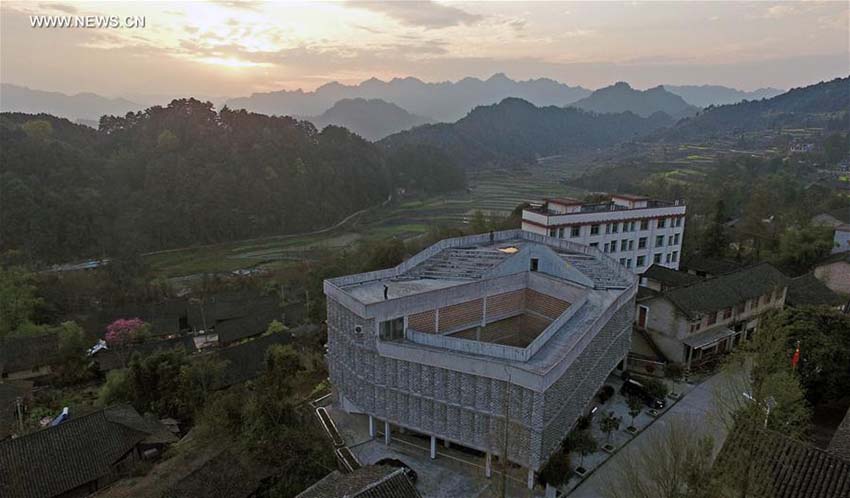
x=86, y=107
x=445, y=101
x=515, y=131
x=707, y=95
x=621, y=97
x=825, y=104
x=372, y=119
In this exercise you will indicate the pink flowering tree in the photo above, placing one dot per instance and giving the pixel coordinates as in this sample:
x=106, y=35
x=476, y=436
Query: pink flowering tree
x=122, y=333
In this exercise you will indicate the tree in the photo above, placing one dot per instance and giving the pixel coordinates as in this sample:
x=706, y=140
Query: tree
x=557, y=470
x=656, y=388
x=673, y=462
x=635, y=406
x=18, y=300
x=123, y=333
x=39, y=129
x=836, y=147
x=715, y=241
x=275, y=327
x=115, y=390
x=583, y=443
x=154, y=384
x=801, y=248
x=198, y=378
x=608, y=424
x=73, y=343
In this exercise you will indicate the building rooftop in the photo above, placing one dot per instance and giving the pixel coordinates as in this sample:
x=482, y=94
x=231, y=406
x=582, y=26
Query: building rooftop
x=58, y=459
x=807, y=290
x=668, y=277
x=372, y=481
x=615, y=202
x=726, y=291
x=785, y=468
x=28, y=352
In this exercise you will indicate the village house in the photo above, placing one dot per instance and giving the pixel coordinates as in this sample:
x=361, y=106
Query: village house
x=694, y=322
x=78, y=456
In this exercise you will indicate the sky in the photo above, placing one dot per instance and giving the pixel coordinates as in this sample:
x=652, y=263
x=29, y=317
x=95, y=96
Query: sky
x=232, y=48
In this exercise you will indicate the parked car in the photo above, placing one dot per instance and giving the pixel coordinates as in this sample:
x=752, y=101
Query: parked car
x=394, y=462
x=632, y=387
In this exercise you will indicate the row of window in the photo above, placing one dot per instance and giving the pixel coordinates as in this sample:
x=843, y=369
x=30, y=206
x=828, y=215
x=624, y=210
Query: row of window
x=726, y=313
x=657, y=258
x=626, y=226
x=629, y=244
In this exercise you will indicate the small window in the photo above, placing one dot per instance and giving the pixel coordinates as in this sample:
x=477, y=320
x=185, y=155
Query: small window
x=607, y=228
x=535, y=263
x=561, y=233
x=605, y=248
x=662, y=222
x=656, y=258
x=631, y=245
x=644, y=224
x=623, y=261
x=594, y=229
x=553, y=232
x=675, y=256
x=712, y=319
x=659, y=241
x=670, y=240
x=668, y=257
x=641, y=260
x=642, y=243
x=676, y=239
x=615, y=227
x=624, y=245
x=629, y=263
x=594, y=245
x=575, y=231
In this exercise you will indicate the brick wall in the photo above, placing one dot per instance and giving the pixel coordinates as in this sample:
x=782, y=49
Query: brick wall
x=506, y=304
x=457, y=315
x=423, y=322
x=544, y=304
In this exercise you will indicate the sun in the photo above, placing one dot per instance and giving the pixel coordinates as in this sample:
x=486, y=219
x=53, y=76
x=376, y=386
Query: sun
x=232, y=62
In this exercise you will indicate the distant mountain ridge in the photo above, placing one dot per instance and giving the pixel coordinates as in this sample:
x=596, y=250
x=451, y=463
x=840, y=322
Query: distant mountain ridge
x=824, y=104
x=515, y=131
x=621, y=97
x=706, y=95
x=445, y=101
x=372, y=119
x=85, y=107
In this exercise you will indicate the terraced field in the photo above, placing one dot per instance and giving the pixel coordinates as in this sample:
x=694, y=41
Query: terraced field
x=493, y=192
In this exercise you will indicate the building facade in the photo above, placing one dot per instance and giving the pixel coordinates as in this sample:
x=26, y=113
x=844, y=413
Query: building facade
x=485, y=341
x=635, y=231
x=693, y=323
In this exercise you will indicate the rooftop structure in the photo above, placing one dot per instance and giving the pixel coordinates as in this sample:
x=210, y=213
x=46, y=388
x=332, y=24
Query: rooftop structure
x=634, y=230
x=76, y=457
x=477, y=330
x=373, y=481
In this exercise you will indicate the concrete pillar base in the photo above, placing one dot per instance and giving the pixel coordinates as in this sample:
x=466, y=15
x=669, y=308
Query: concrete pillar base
x=386, y=433
x=447, y=443
x=530, y=479
x=488, y=465
x=371, y=427
x=433, y=447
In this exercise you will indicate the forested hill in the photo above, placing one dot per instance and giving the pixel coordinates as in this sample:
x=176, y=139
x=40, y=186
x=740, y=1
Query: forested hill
x=372, y=119
x=515, y=131
x=621, y=97
x=177, y=176
x=823, y=104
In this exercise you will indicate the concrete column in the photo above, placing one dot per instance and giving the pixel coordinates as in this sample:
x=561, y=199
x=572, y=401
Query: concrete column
x=433, y=447
x=488, y=465
x=386, y=433
x=447, y=443
x=484, y=313
x=551, y=491
x=626, y=362
x=690, y=356
x=371, y=427
x=477, y=333
x=437, y=320
x=530, y=479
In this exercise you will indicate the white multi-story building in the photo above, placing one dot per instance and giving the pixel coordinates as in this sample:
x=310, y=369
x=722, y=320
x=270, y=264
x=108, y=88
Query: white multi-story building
x=636, y=231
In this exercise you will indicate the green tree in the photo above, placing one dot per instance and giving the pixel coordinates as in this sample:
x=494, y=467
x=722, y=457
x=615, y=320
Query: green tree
x=635, y=406
x=198, y=378
x=38, y=129
x=583, y=443
x=608, y=424
x=715, y=240
x=557, y=469
x=836, y=147
x=18, y=300
x=801, y=248
x=275, y=327
x=73, y=344
x=115, y=390
x=154, y=383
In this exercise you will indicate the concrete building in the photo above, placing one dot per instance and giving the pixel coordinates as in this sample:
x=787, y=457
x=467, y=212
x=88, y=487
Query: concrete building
x=633, y=230
x=482, y=341
x=692, y=322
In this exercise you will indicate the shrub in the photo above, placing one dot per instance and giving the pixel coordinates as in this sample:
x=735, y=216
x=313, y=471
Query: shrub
x=605, y=393
x=557, y=470
x=583, y=422
x=656, y=388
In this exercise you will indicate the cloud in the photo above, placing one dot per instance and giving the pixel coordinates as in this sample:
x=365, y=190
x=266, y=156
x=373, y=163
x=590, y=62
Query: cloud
x=70, y=9
x=779, y=11
x=422, y=13
x=240, y=4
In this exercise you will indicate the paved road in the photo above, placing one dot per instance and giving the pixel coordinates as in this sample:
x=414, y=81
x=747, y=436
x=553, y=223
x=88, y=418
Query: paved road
x=701, y=407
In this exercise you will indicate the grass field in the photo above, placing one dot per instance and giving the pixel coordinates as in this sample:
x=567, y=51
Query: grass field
x=492, y=192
